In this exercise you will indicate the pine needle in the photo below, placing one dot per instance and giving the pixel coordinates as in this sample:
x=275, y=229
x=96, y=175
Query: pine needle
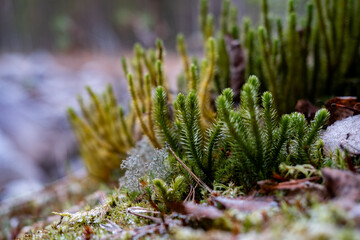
x=198, y=180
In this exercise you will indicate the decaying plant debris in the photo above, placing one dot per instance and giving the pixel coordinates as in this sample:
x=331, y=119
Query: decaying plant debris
x=332, y=214
x=220, y=159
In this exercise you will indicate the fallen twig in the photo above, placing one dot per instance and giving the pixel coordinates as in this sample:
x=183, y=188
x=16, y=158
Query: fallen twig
x=155, y=219
x=198, y=180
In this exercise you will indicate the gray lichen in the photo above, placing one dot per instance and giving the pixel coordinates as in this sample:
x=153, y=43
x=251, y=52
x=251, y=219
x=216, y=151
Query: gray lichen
x=144, y=160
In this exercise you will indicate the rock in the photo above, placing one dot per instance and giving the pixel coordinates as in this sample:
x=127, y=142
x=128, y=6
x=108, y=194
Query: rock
x=343, y=134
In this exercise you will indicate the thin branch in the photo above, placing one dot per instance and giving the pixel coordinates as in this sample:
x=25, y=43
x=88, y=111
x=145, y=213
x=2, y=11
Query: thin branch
x=198, y=180
x=157, y=220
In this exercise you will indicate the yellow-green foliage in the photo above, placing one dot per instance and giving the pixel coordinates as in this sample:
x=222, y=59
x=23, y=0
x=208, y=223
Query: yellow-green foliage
x=256, y=140
x=169, y=193
x=149, y=74
x=104, y=134
x=302, y=57
x=187, y=126
x=307, y=57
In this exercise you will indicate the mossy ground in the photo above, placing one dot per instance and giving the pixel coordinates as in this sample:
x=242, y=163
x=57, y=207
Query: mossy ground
x=109, y=214
x=297, y=210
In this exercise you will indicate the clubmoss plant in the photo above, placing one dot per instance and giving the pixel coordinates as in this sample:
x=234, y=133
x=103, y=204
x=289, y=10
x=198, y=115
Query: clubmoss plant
x=229, y=63
x=245, y=144
x=308, y=57
x=170, y=193
x=302, y=57
x=149, y=74
x=225, y=142
x=185, y=135
x=235, y=142
x=104, y=134
x=258, y=140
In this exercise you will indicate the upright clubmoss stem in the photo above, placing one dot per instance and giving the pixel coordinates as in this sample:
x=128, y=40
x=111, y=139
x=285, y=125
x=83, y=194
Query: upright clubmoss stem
x=159, y=72
x=145, y=129
x=266, y=20
x=224, y=19
x=209, y=27
x=205, y=82
x=150, y=67
x=124, y=127
x=323, y=27
x=124, y=66
x=160, y=50
x=149, y=104
x=194, y=77
x=266, y=62
x=181, y=47
x=203, y=17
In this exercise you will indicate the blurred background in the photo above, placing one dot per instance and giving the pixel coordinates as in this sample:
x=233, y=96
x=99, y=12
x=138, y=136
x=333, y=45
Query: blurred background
x=50, y=50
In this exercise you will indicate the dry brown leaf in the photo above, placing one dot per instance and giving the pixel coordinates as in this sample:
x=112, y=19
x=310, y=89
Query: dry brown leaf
x=342, y=184
x=305, y=107
x=294, y=187
x=197, y=211
x=342, y=107
x=247, y=204
x=237, y=65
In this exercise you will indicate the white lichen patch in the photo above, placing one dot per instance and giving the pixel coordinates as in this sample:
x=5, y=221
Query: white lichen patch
x=144, y=160
x=343, y=134
x=92, y=216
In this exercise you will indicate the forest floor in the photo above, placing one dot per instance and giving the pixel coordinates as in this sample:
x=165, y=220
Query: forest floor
x=321, y=206
x=304, y=203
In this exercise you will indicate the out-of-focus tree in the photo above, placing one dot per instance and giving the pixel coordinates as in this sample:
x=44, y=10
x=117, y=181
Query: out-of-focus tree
x=100, y=25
